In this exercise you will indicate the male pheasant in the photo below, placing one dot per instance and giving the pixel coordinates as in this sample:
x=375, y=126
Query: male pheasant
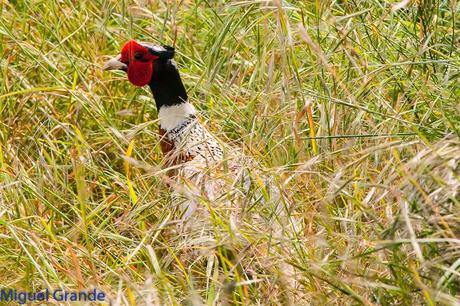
x=183, y=137
x=190, y=148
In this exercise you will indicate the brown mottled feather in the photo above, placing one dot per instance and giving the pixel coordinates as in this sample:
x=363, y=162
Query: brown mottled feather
x=168, y=150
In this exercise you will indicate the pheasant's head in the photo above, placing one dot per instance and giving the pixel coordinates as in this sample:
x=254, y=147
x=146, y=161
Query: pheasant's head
x=138, y=60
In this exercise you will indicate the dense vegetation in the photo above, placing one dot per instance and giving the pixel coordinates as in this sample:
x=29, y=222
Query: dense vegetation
x=352, y=106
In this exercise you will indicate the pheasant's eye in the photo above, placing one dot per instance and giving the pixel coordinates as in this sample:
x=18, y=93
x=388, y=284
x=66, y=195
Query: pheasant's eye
x=138, y=55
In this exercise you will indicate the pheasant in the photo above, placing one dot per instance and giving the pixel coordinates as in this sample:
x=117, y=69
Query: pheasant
x=189, y=147
x=183, y=137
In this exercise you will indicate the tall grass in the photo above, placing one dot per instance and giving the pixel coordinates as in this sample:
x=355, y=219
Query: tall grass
x=353, y=106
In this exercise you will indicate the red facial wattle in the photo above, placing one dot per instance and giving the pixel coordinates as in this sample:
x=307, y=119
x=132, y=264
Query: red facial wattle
x=139, y=69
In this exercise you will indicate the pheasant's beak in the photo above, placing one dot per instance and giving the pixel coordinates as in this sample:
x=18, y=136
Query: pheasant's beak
x=115, y=64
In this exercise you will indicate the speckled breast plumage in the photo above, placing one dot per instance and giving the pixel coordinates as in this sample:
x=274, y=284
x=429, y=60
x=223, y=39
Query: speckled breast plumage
x=190, y=140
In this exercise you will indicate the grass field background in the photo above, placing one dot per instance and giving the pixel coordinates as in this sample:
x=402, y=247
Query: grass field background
x=353, y=106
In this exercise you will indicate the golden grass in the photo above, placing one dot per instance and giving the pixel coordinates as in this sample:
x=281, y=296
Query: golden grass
x=371, y=165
